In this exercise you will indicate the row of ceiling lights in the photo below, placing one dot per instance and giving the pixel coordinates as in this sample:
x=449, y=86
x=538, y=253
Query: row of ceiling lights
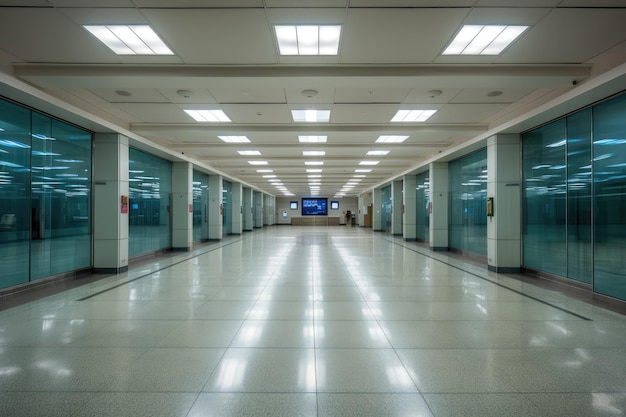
x=306, y=39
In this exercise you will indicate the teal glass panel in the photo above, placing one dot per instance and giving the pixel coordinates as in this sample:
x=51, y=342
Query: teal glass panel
x=150, y=191
x=200, y=206
x=227, y=218
x=15, y=143
x=609, y=165
x=422, y=207
x=61, y=196
x=467, y=206
x=579, y=243
x=544, y=199
x=385, y=212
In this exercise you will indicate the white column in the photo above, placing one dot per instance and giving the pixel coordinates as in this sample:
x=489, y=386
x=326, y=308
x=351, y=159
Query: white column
x=258, y=209
x=377, y=218
x=237, y=208
x=504, y=185
x=396, y=208
x=409, y=223
x=439, y=189
x=247, y=209
x=110, y=219
x=215, y=207
x=182, y=206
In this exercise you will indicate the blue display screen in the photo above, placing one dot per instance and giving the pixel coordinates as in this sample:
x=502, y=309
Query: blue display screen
x=314, y=206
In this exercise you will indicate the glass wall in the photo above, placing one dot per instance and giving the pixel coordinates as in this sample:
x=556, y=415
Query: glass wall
x=150, y=192
x=45, y=196
x=385, y=210
x=467, y=207
x=575, y=197
x=227, y=218
x=60, y=201
x=609, y=174
x=422, y=207
x=15, y=219
x=200, y=206
x=544, y=198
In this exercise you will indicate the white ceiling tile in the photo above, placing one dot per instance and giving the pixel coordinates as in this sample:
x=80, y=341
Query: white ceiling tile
x=137, y=95
x=371, y=95
x=249, y=95
x=218, y=36
x=300, y=3
x=198, y=95
x=248, y=113
x=155, y=113
x=398, y=35
x=479, y=95
x=363, y=113
x=465, y=113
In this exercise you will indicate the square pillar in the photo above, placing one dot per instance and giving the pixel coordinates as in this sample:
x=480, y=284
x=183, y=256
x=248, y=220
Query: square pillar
x=182, y=206
x=237, y=208
x=110, y=217
x=258, y=209
x=409, y=202
x=215, y=207
x=439, y=190
x=377, y=217
x=504, y=185
x=396, y=208
x=247, y=209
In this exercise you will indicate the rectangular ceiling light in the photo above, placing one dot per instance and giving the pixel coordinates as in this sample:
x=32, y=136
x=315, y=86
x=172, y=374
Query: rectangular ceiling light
x=483, y=39
x=234, y=139
x=257, y=162
x=130, y=39
x=369, y=162
x=313, y=153
x=264, y=170
x=311, y=116
x=391, y=139
x=377, y=153
x=249, y=153
x=213, y=116
x=313, y=162
x=313, y=171
x=312, y=139
x=413, y=115
x=362, y=170
x=308, y=39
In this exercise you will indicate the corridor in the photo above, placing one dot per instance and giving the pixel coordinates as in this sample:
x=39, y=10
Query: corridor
x=311, y=321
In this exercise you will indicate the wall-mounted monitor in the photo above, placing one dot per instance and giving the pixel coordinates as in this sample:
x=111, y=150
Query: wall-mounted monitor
x=293, y=205
x=314, y=206
x=334, y=205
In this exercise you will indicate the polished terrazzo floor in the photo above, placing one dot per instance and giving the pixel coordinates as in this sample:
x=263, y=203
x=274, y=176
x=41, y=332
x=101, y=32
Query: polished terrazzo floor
x=311, y=321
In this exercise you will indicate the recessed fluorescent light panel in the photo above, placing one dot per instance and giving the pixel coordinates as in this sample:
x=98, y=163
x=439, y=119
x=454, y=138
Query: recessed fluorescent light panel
x=313, y=171
x=483, y=39
x=257, y=162
x=377, y=153
x=308, y=39
x=391, y=139
x=313, y=153
x=413, y=115
x=362, y=170
x=264, y=170
x=311, y=116
x=312, y=139
x=249, y=153
x=130, y=39
x=313, y=162
x=234, y=139
x=213, y=116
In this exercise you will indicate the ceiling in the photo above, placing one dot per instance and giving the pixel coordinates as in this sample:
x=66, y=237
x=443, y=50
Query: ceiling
x=390, y=57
